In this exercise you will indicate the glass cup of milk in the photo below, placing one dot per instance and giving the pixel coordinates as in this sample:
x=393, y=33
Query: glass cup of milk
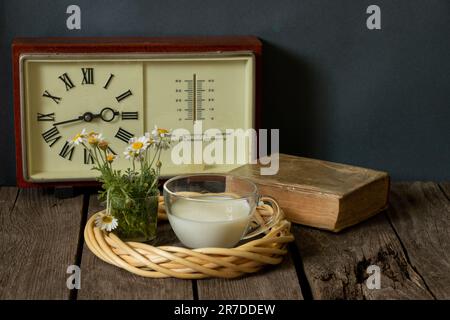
x=210, y=210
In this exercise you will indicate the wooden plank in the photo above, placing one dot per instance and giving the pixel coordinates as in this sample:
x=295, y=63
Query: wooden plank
x=38, y=241
x=420, y=214
x=104, y=281
x=445, y=186
x=335, y=264
x=276, y=282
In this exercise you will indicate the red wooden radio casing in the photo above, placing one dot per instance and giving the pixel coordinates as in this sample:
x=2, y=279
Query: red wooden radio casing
x=74, y=45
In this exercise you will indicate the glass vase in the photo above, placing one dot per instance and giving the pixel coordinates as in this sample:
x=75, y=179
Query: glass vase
x=137, y=217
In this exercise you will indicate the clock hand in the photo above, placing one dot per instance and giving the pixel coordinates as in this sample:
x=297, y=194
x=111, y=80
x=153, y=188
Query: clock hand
x=87, y=116
x=106, y=114
x=68, y=121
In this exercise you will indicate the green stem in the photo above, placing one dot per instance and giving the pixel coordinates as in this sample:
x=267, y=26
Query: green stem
x=156, y=152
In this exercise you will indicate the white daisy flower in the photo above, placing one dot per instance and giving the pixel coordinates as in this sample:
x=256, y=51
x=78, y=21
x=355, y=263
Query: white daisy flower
x=149, y=137
x=106, y=221
x=79, y=138
x=160, y=133
x=132, y=154
x=138, y=145
x=95, y=138
x=129, y=154
x=110, y=157
x=161, y=138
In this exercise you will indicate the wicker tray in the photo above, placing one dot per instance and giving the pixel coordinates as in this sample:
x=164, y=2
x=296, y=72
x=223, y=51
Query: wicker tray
x=179, y=262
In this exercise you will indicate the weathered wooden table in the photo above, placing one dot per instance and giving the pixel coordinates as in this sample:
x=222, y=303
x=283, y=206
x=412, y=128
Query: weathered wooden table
x=40, y=236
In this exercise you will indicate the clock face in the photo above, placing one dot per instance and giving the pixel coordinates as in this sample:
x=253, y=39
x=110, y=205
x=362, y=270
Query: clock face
x=125, y=97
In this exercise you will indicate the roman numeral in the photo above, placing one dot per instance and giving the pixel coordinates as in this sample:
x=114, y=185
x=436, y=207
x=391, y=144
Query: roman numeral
x=124, y=135
x=124, y=95
x=130, y=115
x=112, y=151
x=88, y=75
x=108, y=81
x=54, y=98
x=88, y=158
x=67, y=151
x=46, y=116
x=51, y=136
x=66, y=80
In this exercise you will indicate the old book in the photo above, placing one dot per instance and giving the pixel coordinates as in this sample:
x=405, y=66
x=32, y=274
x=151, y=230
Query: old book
x=322, y=194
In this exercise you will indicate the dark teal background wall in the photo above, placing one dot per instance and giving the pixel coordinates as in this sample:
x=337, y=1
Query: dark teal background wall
x=336, y=90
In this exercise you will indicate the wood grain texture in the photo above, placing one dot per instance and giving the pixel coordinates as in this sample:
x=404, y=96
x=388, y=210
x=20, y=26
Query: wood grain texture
x=336, y=264
x=420, y=214
x=38, y=241
x=276, y=282
x=445, y=186
x=104, y=281
x=410, y=243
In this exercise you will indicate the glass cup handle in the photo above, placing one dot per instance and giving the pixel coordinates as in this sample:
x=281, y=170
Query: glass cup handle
x=264, y=225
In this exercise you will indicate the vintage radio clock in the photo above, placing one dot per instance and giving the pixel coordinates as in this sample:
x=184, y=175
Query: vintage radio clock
x=124, y=87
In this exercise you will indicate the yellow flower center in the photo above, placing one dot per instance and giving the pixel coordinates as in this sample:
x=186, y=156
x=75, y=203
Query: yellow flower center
x=137, y=145
x=107, y=219
x=93, y=140
x=163, y=131
x=78, y=135
x=110, y=157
